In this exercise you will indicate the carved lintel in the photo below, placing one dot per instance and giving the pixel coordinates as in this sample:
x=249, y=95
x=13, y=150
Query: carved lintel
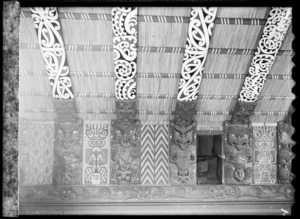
x=238, y=154
x=185, y=112
x=242, y=112
x=285, y=154
x=65, y=110
x=125, y=153
x=67, y=164
x=182, y=154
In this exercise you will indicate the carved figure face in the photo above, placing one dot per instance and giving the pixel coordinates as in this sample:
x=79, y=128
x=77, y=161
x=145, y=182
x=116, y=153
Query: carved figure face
x=123, y=176
x=238, y=138
x=127, y=137
x=183, y=136
x=239, y=174
x=96, y=134
x=69, y=134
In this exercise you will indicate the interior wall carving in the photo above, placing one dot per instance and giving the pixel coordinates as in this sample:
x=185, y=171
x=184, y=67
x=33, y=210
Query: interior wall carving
x=124, y=25
x=264, y=154
x=285, y=154
x=238, y=154
x=67, y=164
x=96, y=153
x=48, y=29
x=242, y=112
x=65, y=110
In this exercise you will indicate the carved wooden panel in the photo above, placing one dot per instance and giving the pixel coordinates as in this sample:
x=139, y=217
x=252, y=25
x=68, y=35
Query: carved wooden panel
x=36, y=152
x=125, y=153
x=264, y=154
x=182, y=155
x=48, y=29
x=96, y=153
x=67, y=164
x=155, y=154
x=185, y=112
x=65, y=110
x=238, y=154
x=285, y=154
x=242, y=112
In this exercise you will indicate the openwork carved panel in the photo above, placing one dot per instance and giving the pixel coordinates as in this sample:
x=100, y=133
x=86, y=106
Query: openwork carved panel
x=96, y=153
x=50, y=39
x=264, y=154
x=242, y=112
x=238, y=154
x=124, y=24
x=273, y=34
x=182, y=155
x=125, y=154
x=199, y=32
x=285, y=154
x=67, y=164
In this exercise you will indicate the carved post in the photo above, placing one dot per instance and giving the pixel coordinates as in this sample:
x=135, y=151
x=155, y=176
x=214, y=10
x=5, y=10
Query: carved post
x=242, y=112
x=285, y=154
x=238, y=154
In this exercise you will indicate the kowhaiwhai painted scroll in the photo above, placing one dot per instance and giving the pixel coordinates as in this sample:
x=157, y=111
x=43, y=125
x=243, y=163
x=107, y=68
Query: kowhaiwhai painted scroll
x=199, y=32
x=124, y=23
x=264, y=154
x=273, y=34
x=48, y=29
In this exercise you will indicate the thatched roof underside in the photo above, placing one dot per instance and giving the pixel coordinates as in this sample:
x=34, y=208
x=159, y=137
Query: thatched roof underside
x=223, y=74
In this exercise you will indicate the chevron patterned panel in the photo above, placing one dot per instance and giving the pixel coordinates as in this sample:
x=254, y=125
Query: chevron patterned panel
x=147, y=154
x=161, y=151
x=155, y=158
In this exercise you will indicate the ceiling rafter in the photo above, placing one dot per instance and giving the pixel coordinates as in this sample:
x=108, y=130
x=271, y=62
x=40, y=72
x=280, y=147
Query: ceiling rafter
x=268, y=47
x=48, y=29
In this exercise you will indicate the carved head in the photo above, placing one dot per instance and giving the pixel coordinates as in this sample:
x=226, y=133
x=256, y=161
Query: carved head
x=123, y=176
x=69, y=133
x=238, y=137
x=183, y=136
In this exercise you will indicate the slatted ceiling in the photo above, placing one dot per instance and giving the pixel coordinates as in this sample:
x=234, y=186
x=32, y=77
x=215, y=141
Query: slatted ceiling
x=162, y=34
x=151, y=117
x=235, y=36
x=227, y=64
x=277, y=88
x=157, y=85
x=95, y=103
x=99, y=117
x=31, y=59
x=156, y=104
x=220, y=86
x=215, y=105
x=93, y=85
x=267, y=119
x=153, y=62
x=37, y=116
x=31, y=83
x=288, y=40
x=211, y=119
x=99, y=10
x=165, y=11
x=273, y=106
x=90, y=61
x=243, y=12
x=27, y=32
x=91, y=32
x=37, y=102
x=282, y=66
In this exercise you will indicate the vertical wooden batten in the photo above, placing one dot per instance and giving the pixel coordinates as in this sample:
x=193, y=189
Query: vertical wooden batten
x=67, y=159
x=183, y=143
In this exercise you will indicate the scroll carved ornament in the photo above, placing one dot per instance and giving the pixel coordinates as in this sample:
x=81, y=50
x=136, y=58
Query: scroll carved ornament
x=285, y=154
x=67, y=164
x=52, y=46
x=238, y=154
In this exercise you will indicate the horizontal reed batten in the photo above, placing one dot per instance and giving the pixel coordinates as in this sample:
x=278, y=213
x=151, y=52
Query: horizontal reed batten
x=154, y=96
x=146, y=112
x=152, y=75
x=109, y=48
x=152, y=18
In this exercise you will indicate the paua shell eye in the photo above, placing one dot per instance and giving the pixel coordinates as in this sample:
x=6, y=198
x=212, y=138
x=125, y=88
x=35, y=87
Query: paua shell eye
x=60, y=131
x=74, y=132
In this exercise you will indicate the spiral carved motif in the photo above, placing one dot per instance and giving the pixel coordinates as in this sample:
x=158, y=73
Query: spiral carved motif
x=273, y=34
x=52, y=46
x=124, y=21
x=199, y=31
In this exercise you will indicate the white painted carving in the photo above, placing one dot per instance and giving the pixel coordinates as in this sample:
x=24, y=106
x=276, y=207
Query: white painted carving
x=124, y=22
x=199, y=31
x=273, y=34
x=47, y=25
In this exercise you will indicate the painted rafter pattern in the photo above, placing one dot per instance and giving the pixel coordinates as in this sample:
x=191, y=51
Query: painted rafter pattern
x=124, y=23
x=199, y=32
x=51, y=43
x=273, y=34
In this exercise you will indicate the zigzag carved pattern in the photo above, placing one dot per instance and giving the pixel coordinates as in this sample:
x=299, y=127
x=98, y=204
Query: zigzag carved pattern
x=147, y=154
x=161, y=154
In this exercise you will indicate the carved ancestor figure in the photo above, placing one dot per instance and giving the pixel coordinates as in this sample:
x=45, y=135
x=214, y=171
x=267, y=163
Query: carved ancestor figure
x=125, y=154
x=238, y=162
x=183, y=155
x=68, y=153
x=285, y=154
